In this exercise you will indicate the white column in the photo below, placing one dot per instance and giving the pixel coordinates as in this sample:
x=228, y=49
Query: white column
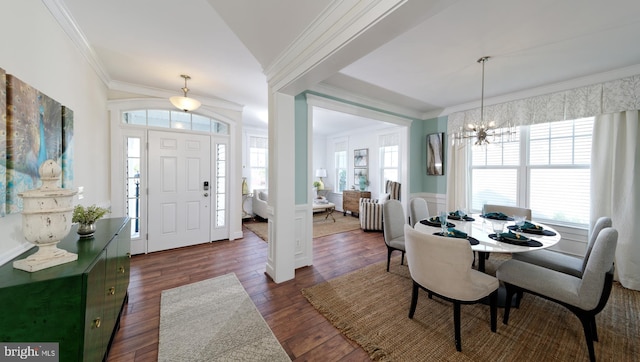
x=281, y=256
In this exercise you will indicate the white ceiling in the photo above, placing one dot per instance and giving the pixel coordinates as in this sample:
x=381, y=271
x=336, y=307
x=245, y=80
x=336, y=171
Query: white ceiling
x=429, y=68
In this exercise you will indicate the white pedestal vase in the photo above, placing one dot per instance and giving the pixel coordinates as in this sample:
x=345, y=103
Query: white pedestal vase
x=46, y=219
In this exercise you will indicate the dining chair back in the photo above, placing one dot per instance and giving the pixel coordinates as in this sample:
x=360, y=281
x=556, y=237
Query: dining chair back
x=561, y=262
x=393, y=222
x=507, y=210
x=585, y=296
x=418, y=210
x=442, y=267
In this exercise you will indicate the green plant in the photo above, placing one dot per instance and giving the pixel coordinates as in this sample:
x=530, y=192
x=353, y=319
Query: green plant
x=88, y=215
x=316, y=183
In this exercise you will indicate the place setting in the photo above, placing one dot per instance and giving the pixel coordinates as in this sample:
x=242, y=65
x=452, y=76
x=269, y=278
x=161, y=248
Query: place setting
x=447, y=228
x=460, y=215
x=455, y=233
x=524, y=226
x=436, y=221
x=497, y=216
x=510, y=236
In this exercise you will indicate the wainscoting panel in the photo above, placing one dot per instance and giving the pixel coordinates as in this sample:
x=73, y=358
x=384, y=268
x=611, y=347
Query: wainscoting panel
x=435, y=202
x=303, y=236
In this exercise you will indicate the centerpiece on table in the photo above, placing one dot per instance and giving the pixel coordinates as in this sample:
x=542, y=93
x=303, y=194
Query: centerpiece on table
x=86, y=218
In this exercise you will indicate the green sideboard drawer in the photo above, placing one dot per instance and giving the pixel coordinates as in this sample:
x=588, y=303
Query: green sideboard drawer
x=76, y=304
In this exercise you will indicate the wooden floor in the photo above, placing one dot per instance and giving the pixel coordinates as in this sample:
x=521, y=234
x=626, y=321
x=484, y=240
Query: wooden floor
x=303, y=332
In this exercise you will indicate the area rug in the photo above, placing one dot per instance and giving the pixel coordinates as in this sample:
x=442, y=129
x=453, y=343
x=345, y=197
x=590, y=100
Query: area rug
x=370, y=306
x=214, y=320
x=321, y=226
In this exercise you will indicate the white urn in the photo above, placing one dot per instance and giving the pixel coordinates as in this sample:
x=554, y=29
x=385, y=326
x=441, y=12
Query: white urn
x=46, y=219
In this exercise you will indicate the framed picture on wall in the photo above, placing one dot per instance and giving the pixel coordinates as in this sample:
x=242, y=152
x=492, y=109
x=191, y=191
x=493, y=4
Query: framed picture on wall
x=361, y=157
x=435, y=154
x=358, y=173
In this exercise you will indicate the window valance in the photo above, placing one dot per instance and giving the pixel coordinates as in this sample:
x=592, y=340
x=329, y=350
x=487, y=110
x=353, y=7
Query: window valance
x=609, y=97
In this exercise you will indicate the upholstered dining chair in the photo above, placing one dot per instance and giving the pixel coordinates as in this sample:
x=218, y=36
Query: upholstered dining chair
x=393, y=228
x=418, y=210
x=507, y=210
x=442, y=267
x=562, y=262
x=585, y=296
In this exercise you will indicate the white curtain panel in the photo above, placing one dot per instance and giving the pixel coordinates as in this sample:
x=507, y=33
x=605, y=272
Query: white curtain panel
x=615, y=181
x=457, y=177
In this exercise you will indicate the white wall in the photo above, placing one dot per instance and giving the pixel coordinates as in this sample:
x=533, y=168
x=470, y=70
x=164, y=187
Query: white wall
x=320, y=157
x=36, y=50
x=357, y=140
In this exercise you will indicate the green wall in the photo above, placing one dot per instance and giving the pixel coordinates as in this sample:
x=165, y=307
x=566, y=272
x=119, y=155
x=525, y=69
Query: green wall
x=420, y=181
x=419, y=129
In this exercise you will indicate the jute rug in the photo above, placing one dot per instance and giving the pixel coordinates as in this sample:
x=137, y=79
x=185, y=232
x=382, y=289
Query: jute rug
x=321, y=226
x=214, y=320
x=370, y=306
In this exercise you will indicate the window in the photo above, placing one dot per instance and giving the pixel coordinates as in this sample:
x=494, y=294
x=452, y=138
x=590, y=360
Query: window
x=545, y=167
x=221, y=184
x=340, y=155
x=132, y=179
x=389, y=159
x=258, y=161
x=174, y=119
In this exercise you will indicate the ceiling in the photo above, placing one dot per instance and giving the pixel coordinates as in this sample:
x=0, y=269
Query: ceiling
x=423, y=61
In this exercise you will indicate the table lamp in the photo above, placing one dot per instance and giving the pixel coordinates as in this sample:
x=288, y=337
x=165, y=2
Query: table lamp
x=320, y=173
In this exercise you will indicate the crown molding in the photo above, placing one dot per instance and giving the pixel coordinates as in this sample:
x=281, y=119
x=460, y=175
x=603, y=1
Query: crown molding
x=356, y=110
x=363, y=101
x=337, y=25
x=61, y=14
x=162, y=93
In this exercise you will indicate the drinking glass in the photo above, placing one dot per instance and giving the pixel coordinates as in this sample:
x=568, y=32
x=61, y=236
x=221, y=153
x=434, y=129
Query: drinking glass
x=498, y=226
x=519, y=221
x=443, y=222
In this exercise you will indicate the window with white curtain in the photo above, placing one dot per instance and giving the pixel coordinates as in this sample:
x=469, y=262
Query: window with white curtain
x=544, y=167
x=340, y=156
x=389, y=158
x=258, y=162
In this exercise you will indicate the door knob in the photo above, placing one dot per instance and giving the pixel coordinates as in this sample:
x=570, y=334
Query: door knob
x=206, y=194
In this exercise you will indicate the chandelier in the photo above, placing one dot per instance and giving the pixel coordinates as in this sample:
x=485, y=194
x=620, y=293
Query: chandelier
x=185, y=103
x=483, y=130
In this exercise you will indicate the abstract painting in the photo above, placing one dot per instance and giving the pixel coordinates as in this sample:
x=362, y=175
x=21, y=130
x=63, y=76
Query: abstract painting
x=34, y=135
x=3, y=141
x=67, y=148
x=435, y=151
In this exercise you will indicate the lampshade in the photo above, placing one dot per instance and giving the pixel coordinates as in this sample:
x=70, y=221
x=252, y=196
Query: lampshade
x=321, y=172
x=183, y=102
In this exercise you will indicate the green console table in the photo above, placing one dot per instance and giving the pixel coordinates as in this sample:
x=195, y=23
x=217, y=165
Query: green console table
x=77, y=304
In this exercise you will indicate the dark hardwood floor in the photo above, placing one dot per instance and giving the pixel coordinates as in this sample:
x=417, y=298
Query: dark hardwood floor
x=303, y=332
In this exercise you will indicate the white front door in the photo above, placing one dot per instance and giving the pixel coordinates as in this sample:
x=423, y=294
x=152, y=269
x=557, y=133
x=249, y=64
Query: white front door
x=179, y=190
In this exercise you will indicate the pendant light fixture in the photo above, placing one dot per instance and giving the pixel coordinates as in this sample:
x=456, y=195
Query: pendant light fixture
x=185, y=103
x=482, y=130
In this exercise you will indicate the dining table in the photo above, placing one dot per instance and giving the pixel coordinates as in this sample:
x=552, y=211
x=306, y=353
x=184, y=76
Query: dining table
x=481, y=229
x=480, y=232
